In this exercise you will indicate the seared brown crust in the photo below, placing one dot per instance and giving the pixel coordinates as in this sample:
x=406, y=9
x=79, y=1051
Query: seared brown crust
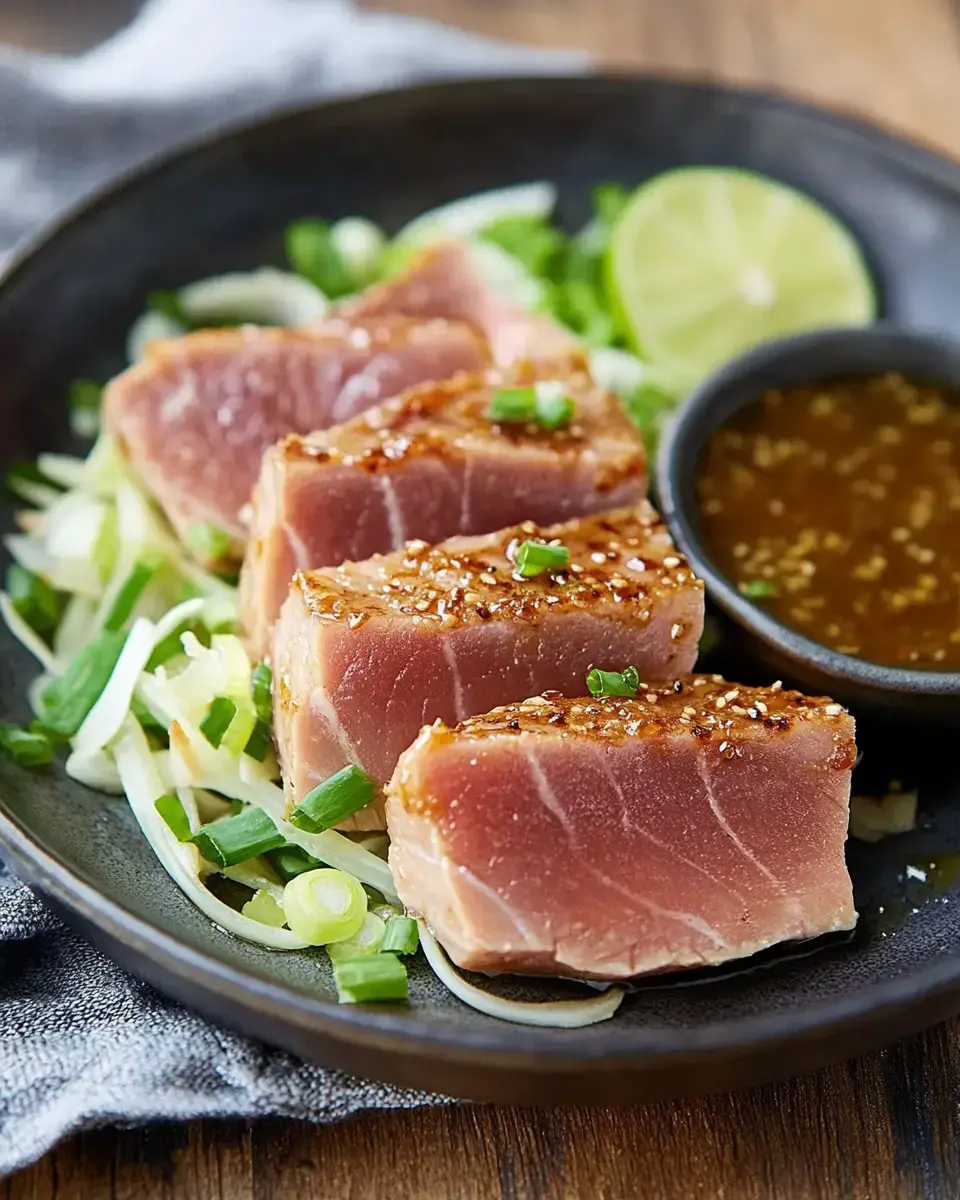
x=618, y=560
x=406, y=425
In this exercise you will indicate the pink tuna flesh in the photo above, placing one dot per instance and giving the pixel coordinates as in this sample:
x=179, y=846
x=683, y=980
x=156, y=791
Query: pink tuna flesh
x=196, y=414
x=430, y=465
x=611, y=838
x=366, y=654
x=442, y=281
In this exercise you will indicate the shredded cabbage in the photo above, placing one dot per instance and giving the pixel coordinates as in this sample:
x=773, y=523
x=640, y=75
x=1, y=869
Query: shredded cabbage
x=263, y=297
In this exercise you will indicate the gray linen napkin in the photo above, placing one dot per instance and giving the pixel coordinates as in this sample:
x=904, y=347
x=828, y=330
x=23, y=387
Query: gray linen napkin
x=81, y=1042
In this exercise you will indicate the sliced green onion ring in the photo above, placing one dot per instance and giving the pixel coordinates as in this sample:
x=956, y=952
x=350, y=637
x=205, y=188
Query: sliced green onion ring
x=333, y=800
x=324, y=906
x=538, y=558
x=371, y=978
x=613, y=683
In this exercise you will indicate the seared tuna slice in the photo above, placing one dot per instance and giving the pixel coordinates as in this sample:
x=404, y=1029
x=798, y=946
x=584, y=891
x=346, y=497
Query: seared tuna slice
x=442, y=281
x=698, y=823
x=366, y=654
x=196, y=414
x=429, y=465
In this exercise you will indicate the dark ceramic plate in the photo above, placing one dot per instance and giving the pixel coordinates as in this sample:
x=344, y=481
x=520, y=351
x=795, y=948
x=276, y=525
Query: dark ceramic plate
x=64, y=308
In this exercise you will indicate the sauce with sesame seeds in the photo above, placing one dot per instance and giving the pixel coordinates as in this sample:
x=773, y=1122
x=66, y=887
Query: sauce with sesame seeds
x=836, y=507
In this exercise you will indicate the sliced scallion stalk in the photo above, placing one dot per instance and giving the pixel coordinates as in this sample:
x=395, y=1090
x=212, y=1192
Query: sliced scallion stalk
x=333, y=800
x=370, y=978
x=170, y=807
x=401, y=936
x=34, y=599
x=130, y=592
x=261, y=683
x=207, y=540
x=65, y=703
x=262, y=907
x=555, y=411
x=27, y=747
x=289, y=861
x=324, y=906
x=312, y=252
x=537, y=558
x=511, y=406
x=613, y=683
x=232, y=840
x=366, y=940
x=757, y=589
x=258, y=743
x=85, y=395
x=217, y=720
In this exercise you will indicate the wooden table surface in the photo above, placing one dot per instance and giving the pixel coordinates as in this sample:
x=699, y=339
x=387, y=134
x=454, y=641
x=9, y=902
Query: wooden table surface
x=885, y=1127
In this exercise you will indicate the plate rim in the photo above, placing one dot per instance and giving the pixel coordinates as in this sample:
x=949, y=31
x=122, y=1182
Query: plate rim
x=492, y=1043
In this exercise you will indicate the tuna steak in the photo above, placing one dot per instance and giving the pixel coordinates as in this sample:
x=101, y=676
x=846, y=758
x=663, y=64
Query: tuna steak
x=196, y=414
x=442, y=281
x=698, y=823
x=366, y=654
x=429, y=465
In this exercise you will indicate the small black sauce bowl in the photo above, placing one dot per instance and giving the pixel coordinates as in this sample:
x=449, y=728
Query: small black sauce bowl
x=895, y=693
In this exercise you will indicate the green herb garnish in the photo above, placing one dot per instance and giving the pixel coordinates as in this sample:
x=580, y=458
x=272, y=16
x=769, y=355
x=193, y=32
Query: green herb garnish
x=613, y=683
x=333, y=800
x=537, y=558
x=233, y=840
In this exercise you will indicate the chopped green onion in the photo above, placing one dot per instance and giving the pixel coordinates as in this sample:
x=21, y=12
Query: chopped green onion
x=289, y=861
x=261, y=684
x=107, y=544
x=401, y=936
x=366, y=940
x=68, y=699
x=374, y=977
x=530, y=240
x=170, y=807
x=207, y=540
x=324, y=906
x=233, y=840
x=609, y=201
x=217, y=720
x=757, y=589
x=555, y=412
x=312, y=253
x=172, y=644
x=613, y=683
x=263, y=908
x=34, y=599
x=258, y=743
x=168, y=303
x=27, y=747
x=130, y=592
x=333, y=800
x=85, y=395
x=511, y=406
x=148, y=722
x=537, y=558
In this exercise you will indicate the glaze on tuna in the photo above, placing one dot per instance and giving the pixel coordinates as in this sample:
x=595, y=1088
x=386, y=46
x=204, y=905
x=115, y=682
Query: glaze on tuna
x=429, y=465
x=699, y=823
x=366, y=654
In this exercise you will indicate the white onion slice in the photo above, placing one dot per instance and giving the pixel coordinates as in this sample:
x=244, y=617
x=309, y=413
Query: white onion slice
x=555, y=1014
x=263, y=297
x=618, y=371
x=104, y=720
x=506, y=276
x=143, y=786
x=95, y=769
x=65, y=469
x=467, y=216
x=150, y=327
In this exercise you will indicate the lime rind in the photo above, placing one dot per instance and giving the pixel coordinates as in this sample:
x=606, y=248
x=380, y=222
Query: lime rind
x=705, y=262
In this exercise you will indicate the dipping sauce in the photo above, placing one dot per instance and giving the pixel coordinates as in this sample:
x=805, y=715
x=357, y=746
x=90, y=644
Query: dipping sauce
x=836, y=507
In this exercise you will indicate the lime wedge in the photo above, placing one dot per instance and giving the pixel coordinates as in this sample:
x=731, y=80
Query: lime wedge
x=705, y=262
